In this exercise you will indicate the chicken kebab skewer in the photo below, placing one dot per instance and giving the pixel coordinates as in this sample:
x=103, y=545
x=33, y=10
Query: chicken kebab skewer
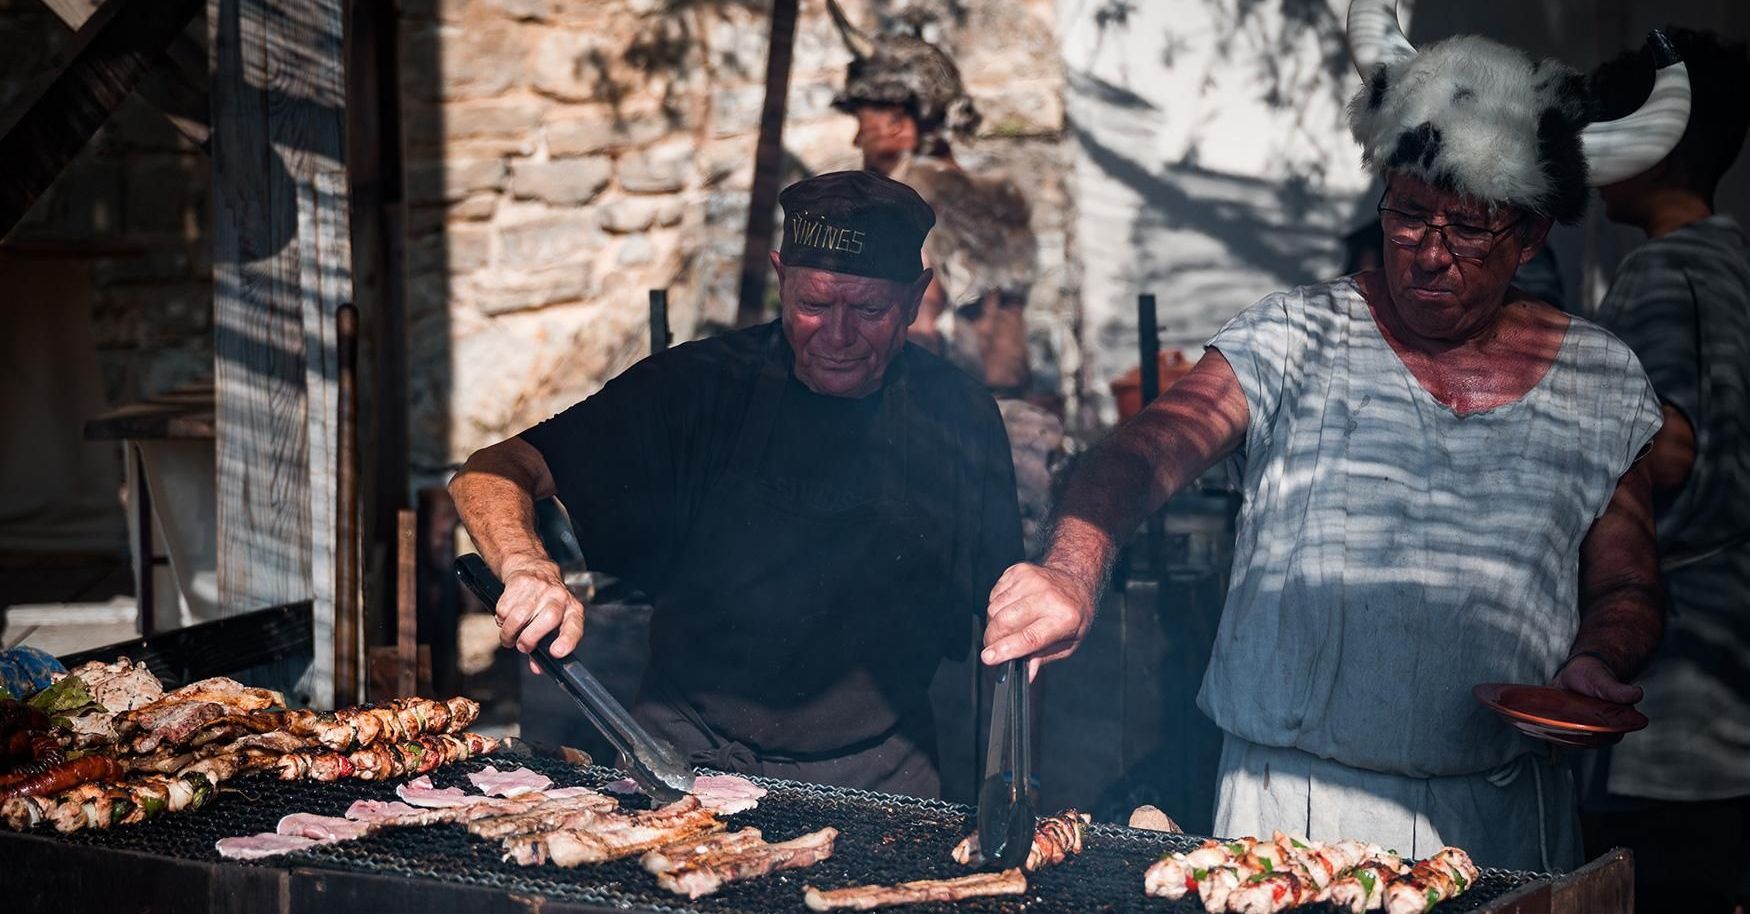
x=1261, y=877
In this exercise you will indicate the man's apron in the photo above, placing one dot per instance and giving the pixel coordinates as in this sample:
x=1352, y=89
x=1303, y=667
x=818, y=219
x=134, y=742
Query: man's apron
x=760, y=617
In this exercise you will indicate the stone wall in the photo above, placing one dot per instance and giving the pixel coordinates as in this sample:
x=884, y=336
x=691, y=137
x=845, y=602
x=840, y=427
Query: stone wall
x=566, y=156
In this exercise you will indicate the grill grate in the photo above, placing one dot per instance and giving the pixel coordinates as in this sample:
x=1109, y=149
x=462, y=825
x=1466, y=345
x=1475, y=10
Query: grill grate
x=883, y=839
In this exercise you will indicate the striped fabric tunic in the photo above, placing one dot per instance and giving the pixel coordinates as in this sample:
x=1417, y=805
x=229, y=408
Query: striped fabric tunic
x=1391, y=554
x=1683, y=302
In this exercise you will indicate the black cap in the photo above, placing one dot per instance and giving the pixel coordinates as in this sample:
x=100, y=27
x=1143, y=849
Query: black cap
x=856, y=222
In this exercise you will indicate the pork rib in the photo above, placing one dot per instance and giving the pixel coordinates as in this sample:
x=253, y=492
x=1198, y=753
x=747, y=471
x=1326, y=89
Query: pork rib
x=869, y=897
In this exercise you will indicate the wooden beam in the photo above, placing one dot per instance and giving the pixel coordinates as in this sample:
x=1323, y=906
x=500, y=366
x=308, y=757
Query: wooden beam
x=110, y=54
x=177, y=87
x=768, y=167
x=281, y=270
x=373, y=162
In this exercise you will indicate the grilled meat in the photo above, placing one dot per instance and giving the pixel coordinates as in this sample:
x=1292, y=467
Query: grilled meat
x=1362, y=888
x=1439, y=878
x=1269, y=893
x=383, y=760
x=548, y=815
x=702, y=866
x=174, y=718
x=612, y=838
x=869, y=897
x=96, y=805
x=64, y=776
x=120, y=686
x=1055, y=839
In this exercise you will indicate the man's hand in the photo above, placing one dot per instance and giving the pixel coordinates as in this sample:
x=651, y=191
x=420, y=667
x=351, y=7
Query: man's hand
x=535, y=602
x=1037, y=612
x=1590, y=676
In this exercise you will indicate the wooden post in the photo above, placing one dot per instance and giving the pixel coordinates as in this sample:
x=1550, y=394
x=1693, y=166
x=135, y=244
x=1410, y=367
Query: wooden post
x=281, y=270
x=768, y=166
x=406, y=608
x=347, y=645
x=373, y=163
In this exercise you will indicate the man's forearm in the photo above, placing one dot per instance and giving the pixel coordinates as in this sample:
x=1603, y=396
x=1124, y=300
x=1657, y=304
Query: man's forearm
x=1146, y=461
x=1621, y=625
x=495, y=499
x=1101, y=504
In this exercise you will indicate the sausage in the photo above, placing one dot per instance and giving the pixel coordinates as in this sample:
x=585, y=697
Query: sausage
x=19, y=724
x=16, y=715
x=64, y=776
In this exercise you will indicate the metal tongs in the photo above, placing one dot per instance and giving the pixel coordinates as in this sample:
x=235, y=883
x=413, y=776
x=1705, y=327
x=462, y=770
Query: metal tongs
x=659, y=770
x=1005, y=800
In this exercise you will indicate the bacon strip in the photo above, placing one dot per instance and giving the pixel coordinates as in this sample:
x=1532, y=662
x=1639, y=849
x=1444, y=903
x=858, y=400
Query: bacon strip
x=869, y=897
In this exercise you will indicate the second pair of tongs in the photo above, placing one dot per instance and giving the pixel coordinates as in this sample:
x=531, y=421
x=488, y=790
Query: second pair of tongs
x=655, y=766
x=1006, y=807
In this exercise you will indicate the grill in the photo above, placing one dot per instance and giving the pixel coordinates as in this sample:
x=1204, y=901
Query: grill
x=883, y=839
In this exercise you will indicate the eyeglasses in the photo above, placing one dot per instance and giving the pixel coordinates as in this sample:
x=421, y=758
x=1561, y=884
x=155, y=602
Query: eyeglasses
x=1465, y=242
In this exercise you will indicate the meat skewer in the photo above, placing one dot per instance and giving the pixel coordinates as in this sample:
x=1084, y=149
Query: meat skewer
x=383, y=760
x=869, y=897
x=1362, y=888
x=1055, y=839
x=96, y=805
x=1439, y=878
x=1262, y=877
x=701, y=867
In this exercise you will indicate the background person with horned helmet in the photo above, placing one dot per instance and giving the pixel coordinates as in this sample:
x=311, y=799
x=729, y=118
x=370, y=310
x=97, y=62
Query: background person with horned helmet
x=1441, y=478
x=910, y=104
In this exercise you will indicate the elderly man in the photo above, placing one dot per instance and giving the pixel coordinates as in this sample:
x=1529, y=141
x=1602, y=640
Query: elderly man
x=1441, y=487
x=768, y=489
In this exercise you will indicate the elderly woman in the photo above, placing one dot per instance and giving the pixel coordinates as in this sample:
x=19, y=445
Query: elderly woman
x=1440, y=475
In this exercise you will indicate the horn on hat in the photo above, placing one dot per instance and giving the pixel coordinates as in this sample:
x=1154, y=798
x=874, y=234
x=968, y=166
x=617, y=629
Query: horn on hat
x=1629, y=145
x=1375, y=37
x=861, y=47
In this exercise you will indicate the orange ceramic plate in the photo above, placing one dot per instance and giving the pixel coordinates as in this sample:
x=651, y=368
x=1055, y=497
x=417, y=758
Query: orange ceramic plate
x=1559, y=715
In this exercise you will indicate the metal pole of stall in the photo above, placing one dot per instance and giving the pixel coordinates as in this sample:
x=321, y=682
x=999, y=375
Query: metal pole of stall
x=347, y=647
x=659, y=335
x=1149, y=342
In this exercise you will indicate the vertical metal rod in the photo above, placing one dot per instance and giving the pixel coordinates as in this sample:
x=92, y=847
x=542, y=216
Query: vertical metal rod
x=1149, y=340
x=406, y=614
x=659, y=335
x=347, y=645
x=146, y=572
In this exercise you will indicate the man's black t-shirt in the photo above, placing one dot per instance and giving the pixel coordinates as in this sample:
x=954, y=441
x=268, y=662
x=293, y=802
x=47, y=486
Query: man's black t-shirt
x=798, y=611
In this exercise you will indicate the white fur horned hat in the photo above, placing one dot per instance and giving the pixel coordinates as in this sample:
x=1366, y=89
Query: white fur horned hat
x=1486, y=120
